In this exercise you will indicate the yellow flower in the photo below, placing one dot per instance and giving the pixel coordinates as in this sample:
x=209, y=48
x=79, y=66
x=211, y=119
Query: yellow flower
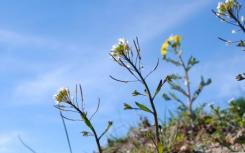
x=174, y=41
x=62, y=95
x=164, y=48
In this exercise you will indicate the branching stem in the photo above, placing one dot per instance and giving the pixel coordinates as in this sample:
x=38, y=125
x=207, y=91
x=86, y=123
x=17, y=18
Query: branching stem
x=149, y=95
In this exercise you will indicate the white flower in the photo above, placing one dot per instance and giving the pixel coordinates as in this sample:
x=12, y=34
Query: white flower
x=121, y=48
x=62, y=95
x=123, y=41
x=221, y=8
x=219, y=5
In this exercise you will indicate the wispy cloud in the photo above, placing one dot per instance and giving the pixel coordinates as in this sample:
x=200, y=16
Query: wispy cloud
x=42, y=84
x=12, y=38
x=9, y=142
x=164, y=17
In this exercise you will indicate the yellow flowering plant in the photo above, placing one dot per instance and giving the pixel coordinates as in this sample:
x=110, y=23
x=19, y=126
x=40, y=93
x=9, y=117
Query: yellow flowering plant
x=173, y=41
x=174, y=46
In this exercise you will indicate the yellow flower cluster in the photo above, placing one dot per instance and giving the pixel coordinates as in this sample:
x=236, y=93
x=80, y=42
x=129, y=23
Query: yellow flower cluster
x=62, y=95
x=223, y=7
x=174, y=41
x=121, y=48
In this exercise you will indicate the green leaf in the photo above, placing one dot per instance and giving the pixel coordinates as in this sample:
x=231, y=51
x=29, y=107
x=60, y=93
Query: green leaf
x=173, y=77
x=166, y=97
x=191, y=62
x=86, y=120
x=136, y=93
x=174, y=97
x=85, y=133
x=176, y=63
x=178, y=88
x=143, y=107
x=241, y=44
x=158, y=88
x=202, y=84
x=127, y=106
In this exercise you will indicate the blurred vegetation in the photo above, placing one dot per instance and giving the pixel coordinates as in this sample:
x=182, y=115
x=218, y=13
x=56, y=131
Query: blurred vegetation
x=220, y=130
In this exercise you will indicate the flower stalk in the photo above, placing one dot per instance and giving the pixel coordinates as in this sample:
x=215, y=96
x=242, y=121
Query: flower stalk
x=131, y=61
x=65, y=104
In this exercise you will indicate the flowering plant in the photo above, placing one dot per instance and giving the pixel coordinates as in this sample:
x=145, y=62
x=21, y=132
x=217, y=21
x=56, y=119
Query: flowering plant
x=65, y=103
x=230, y=12
x=131, y=60
x=173, y=44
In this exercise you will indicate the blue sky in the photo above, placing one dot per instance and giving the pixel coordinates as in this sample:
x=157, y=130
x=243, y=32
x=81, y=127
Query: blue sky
x=47, y=44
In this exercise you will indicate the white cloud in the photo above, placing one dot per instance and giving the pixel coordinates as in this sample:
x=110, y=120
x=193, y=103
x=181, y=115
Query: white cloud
x=164, y=17
x=41, y=85
x=93, y=76
x=12, y=38
x=34, y=90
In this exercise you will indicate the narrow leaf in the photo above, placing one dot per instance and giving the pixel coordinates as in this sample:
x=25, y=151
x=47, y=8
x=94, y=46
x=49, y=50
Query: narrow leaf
x=86, y=120
x=166, y=97
x=176, y=63
x=191, y=62
x=136, y=93
x=127, y=106
x=174, y=97
x=178, y=88
x=202, y=84
x=143, y=107
x=158, y=88
x=86, y=133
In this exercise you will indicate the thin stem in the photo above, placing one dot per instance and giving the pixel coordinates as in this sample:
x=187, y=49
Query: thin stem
x=97, y=140
x=26, y=146
x=237, y=20
x=149, y=97
x=92, y=129
x=188, y=87
x=66, y=132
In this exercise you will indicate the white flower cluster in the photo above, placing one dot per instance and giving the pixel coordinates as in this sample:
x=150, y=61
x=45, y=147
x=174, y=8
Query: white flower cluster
x=62, y=95
x=119, y=49
x=224, y=7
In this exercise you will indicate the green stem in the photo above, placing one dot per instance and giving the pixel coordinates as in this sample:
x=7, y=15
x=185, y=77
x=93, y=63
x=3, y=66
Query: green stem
x=149, y=97
x=237, y=20
x=92, y=129
x=188, y=88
